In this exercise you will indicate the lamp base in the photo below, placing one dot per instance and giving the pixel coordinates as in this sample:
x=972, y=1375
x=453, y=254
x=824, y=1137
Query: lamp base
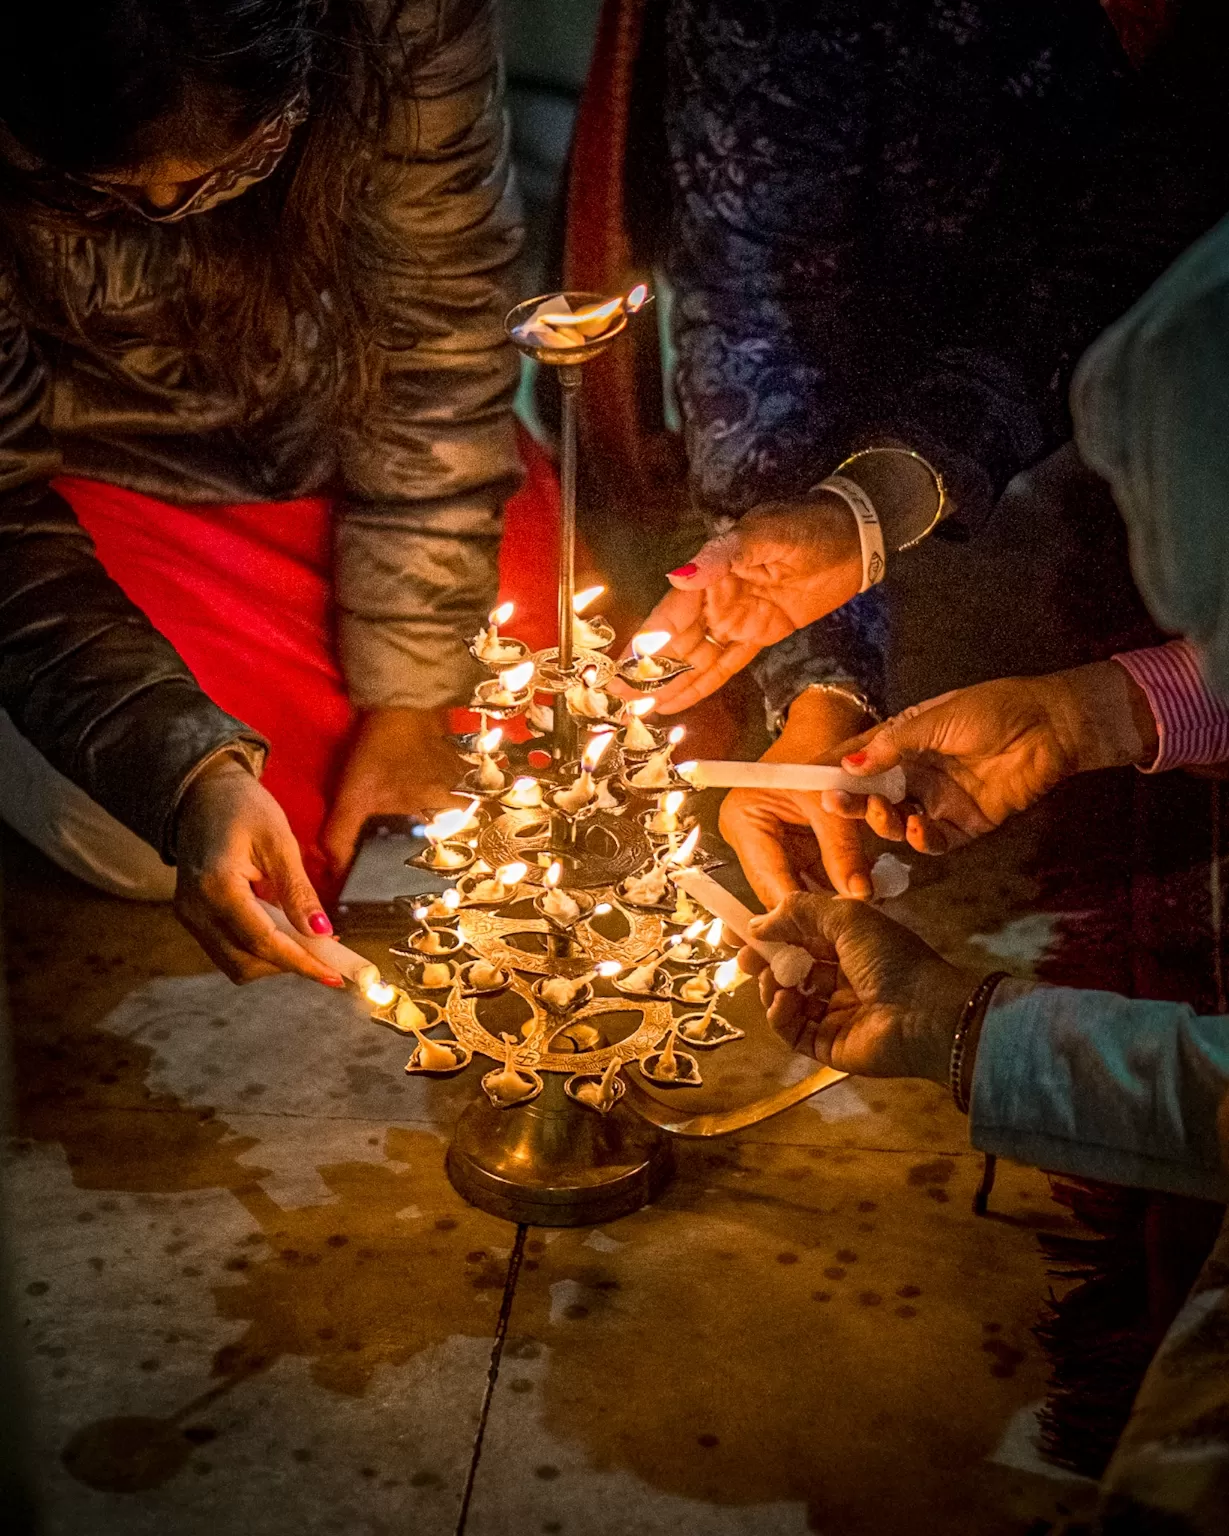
x=553, y=1163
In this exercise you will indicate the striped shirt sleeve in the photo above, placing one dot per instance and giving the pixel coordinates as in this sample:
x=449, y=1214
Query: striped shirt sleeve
x=1192, y=723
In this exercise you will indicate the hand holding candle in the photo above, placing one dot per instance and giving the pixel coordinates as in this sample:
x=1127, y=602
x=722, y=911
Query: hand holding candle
x=790, y=964
x=799, y=777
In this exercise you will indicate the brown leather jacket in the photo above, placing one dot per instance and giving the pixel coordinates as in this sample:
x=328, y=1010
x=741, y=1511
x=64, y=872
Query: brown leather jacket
x=418, y=485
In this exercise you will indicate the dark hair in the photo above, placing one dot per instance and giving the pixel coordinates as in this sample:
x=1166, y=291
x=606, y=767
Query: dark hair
x=89, y=87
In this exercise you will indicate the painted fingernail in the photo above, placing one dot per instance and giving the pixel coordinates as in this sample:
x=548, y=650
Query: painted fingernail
x=860, y=887
x=686, y=572
x=856, y=758
x=334, y=981
x=319, y=923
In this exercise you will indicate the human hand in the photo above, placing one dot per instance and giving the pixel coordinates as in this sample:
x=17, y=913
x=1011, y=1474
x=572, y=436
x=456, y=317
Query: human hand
x=401, y=763
x=232, y=837
x=779, y=836
x=974, y=757
x=888, y=1007
x=784, y=566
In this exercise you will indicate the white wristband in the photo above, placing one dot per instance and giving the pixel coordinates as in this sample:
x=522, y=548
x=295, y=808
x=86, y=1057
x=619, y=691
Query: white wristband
x=870, y=534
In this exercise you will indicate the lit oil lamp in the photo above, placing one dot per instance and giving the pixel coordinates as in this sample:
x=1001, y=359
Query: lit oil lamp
x=509, y=693
x=586, y=699
x=497, y=887
x=442, y=908
x=657, y=771
x=582, y=790
x=444, y=848
x=593, y=634
x=525, y=795
x=562, y=994
x=564, y=909
x=496, y=650
x=490, y=777
x=707, y=1029
x=645, y=666
x=664, y=822
x=638, y=738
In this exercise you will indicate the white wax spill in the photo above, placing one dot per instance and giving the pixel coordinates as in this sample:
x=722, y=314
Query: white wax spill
x=889, y=877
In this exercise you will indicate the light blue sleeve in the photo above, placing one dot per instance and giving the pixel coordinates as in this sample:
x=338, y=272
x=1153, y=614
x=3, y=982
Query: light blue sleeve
x=1103, y=1087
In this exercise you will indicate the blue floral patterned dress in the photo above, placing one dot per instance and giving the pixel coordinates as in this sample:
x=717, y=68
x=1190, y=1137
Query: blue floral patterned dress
x=903, y=220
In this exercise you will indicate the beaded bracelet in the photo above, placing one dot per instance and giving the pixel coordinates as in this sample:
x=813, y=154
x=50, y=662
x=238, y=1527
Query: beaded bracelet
x=971, y=1016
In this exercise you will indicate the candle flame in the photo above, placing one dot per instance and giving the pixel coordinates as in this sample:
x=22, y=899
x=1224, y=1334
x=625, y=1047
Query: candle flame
x=695, y=930
x=522, y=787
x=589, y=676
x=713, y=936
x=451, y=898
x=602, y=908
x=636, y=298
x=448, y=823
x=609, y=968
x=582, y=599
x=642, y=706
x=553, y=875
x=516, y=679
x=511, y=874
x=650, y=642
x=488, y=743
x=682, y=854
x=725, y=977
x=674, y=801
x=381, y=993
x=502, y=614
x=676, y=735
x=419, y=914
x=594, y=748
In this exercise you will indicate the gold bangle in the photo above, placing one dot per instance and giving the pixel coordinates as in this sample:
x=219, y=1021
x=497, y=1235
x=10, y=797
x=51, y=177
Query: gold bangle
x=940, y=488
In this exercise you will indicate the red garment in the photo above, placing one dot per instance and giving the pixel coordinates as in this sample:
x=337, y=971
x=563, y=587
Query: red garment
x=244, y=593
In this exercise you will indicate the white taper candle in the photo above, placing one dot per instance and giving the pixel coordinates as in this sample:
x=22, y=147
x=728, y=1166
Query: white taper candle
x=329, y=951
x=790, y=964
x=795, y=776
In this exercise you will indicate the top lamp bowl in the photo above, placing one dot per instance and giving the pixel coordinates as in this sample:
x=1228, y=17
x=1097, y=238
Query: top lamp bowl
x=562, y=357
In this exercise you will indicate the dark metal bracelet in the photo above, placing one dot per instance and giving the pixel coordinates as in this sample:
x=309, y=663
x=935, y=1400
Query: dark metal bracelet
x=971, y=1016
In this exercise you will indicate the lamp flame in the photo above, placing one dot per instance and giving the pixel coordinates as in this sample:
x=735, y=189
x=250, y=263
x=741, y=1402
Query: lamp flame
x=609, y=968
x=502, y=614
x=676, y=735
x=594, y=748
x=683, y=853
x=642, y=706
x=725, y=977
x=448, y=823
x=381, y=993
x=451, y=898
x=511, y=874
x=588, y=318
x=650, y=642
x=517, y=679
x=589, y=676
x=715, y=929
x=582, y=599
x=695, y=930
x=553, y=875
x=636, y=298
x=488, y=743
x=602, y=908
x=674, y=801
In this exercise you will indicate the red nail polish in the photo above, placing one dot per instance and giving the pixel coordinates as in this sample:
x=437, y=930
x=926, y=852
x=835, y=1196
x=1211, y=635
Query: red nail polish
x=319, y=923
x=686, y=572
x=856, y=758
x=334, y=981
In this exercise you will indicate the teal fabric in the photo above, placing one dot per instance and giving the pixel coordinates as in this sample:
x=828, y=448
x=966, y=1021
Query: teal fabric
x=1103, y=1087
x=1150, y=402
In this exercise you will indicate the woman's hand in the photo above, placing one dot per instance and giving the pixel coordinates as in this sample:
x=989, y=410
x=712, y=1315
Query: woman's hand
x=888, y=1007
x=779, y=836
x=401, y=763
x=783, y=567
x=977, y=756
x=232, y=837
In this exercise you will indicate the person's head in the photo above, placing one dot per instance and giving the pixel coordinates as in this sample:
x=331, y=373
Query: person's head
x=242, y=122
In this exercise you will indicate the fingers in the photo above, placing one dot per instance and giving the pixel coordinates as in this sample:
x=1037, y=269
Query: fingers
x=340, y=832
x=846, y=861
x=291, y=889
x=758, y=838
x=722, y=662
x=709, y=564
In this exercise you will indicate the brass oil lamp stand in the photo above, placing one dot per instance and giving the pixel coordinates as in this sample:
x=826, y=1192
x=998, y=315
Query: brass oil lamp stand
x=568, y=956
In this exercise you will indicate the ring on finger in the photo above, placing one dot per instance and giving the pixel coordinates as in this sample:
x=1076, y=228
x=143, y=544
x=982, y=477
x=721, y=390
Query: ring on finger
x=712, y=640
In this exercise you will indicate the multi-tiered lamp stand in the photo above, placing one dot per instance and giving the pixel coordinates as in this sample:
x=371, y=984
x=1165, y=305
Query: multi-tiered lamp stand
x=568, y=952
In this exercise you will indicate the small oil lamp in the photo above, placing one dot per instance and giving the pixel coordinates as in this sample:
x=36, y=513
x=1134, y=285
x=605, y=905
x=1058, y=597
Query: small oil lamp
x=525, y=795
x=586, y=699
x=445, y=850
x=497, y=887
x=582, y=789
x=489, y=646
x=638, y=738
x=508, y=693
x=656, y=772
x=490, y=777
x=705, y=1028
x=564, y=909
x=593, y=634
x=664, y=822
x=644, y=665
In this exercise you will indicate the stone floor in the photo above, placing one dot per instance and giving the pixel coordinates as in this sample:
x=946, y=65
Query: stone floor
x=253, y=1303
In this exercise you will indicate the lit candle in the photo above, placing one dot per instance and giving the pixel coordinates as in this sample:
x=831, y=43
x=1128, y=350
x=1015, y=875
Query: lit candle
x=725, y=979
x=505, y=878
x=582, y=788
x=561, y=991
x=441, y=908
x=556, y=903
x=790, y=964
x=800, y=777
x=586, y=699
x=666, y=820
x=683, y=944
x=525, y=794
x=644, y=650
x=512, y=686
x=584, y=634
x=487, y=644
x=636, y=735
x=490, y=776
x=656, y=772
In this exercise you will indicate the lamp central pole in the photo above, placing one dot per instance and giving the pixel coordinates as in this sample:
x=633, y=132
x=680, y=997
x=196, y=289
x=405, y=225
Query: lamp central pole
x=565, y=735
